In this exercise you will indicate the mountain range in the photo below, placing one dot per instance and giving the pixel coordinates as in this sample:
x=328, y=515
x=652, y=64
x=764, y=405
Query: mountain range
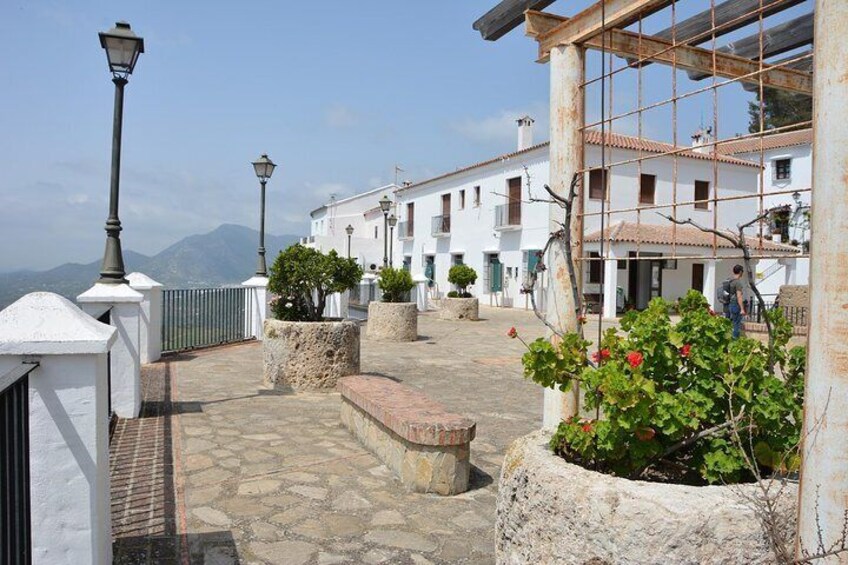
x=226, y=255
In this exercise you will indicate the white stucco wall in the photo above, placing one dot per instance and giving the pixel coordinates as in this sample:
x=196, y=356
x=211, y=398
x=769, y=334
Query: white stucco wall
x=150, y=329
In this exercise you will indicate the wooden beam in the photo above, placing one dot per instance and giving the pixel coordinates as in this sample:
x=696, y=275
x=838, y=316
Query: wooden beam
x=506, y=16
x=804, y=65
x=630, y=45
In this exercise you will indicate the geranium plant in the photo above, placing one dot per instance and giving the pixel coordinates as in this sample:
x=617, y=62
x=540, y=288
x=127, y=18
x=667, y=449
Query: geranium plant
x=462, y=276
x=663, y=399
x=303, y=277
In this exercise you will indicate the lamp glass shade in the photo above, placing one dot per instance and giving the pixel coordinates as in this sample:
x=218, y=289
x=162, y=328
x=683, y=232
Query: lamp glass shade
x=122, y=48
x=385, y=204
x=392, y=221
x=349, y=230
x=264, y=167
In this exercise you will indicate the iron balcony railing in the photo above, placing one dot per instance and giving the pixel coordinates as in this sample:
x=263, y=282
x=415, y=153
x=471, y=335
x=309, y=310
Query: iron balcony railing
x=15, y=528
x=202, y=317
x=508, y=216
x=441, y=226
x=404, y=230
x=795, y=315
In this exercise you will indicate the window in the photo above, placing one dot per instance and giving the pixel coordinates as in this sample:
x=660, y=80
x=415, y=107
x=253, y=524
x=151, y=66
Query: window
x=782, y=169
x=596, y=268
x=476, y=196
x=621, y=264
x=376, y=235
x=698, y=276
x=702, y=195
x=462, y=199
x=410, y=218
x=647, y=189
x=597, y=181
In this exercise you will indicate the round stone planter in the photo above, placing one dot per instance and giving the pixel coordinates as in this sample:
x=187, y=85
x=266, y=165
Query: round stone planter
x=392, y=321
x=459, y=309
x=309, y=355
x=549, y=511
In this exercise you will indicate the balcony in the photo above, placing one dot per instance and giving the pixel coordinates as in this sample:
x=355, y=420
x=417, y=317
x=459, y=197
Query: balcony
x=508, y=216
x=441, y=226
x=405, y=230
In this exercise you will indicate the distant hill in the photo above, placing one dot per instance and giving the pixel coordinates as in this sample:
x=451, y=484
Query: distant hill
x=226, y=255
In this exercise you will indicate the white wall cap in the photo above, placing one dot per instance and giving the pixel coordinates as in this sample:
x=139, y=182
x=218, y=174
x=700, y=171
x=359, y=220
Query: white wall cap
x=370, y=276
x=256, y=280
x=419, y=278
x=43, y=323
x=110, y=294
x=140, y=281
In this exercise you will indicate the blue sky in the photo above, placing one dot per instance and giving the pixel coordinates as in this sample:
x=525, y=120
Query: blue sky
x=335, y=92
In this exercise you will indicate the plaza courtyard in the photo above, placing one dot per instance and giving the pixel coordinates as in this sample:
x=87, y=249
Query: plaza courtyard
x=220, y=469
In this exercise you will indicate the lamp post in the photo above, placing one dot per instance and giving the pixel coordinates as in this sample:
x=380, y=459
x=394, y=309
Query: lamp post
x=392, y=224
x=264, y=168
x=122, y=48
x=349, y=231
x=385, y=205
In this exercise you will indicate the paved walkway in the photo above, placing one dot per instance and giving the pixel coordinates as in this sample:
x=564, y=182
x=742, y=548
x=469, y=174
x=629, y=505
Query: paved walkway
x=221, y=470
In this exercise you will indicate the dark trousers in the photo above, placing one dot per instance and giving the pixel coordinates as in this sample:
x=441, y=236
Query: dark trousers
x=734, y=312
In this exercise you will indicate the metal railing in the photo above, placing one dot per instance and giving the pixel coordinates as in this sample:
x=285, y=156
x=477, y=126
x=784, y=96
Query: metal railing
x=795, y=315
x=15, y=529
x=202, y=317
x=441, y=225
x=508, y=215
x=404, y=230
x=359, y=298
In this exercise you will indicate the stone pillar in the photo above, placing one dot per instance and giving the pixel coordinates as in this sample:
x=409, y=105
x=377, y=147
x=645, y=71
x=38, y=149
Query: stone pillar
x=710, y=286
x=257, y=306
x=125, y=316
x=566, y=149
x=824, y=471
x=68, y=425
x=610, y=284
x=150, y=345
x=790, y=270
x=421, y=292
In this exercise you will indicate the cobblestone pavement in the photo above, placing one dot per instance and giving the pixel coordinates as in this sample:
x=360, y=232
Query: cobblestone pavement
x=261, y=476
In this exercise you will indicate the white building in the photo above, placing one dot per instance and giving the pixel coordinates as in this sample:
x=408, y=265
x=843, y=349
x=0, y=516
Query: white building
x=787, y=160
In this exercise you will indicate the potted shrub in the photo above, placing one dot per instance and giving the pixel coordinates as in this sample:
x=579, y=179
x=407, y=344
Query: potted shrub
x=460, y=305
x=680, y=425
x=301, y=349
x=394, y=317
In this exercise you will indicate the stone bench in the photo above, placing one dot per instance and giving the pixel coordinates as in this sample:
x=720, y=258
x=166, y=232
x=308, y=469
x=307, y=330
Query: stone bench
x=423, y=444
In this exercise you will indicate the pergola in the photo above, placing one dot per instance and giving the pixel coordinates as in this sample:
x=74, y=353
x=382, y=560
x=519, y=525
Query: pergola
x=773, y=55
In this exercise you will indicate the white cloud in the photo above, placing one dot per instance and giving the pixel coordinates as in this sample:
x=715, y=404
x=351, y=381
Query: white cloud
x=340, y=116
x=501, y=126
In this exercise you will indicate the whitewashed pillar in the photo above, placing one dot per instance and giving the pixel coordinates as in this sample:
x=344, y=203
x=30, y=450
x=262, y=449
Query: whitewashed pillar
x=150, y=345
x=566, y=118
x=68, y=425
x=710, y=283
x=256, y=310
x=421, y=292
x=610, y=284
x=824, y=471
x=125, y=316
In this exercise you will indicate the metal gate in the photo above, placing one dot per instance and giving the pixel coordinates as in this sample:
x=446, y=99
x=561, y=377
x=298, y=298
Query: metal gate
x=15, y=538
x=202, y=317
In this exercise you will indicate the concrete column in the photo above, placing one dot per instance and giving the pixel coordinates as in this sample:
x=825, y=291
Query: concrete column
x=421, y=292
x=150, y=344
x=257, y=306
x=566, y=118
x=610, y=284
x=789, y=270
x=125, y=316
x=710, y=283
x=68, y=425
x=824, y=473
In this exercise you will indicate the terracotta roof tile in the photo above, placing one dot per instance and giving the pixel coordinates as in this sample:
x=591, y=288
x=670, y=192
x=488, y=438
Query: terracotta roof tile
x=775, y=141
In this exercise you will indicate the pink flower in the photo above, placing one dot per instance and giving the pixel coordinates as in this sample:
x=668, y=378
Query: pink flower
x=686, y=349
x=635, y=359
x=513, y=333
x=600, y=356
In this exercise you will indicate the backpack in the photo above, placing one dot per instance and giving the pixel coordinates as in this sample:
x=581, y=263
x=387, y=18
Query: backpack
x=724, y=294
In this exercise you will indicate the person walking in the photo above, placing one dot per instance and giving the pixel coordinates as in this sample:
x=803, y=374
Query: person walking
x=736, y=300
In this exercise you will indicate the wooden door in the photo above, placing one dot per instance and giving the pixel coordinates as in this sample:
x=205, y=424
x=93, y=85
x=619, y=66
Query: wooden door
x=514, y=213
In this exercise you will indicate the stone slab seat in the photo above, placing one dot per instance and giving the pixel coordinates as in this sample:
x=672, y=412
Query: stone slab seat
x=428, y=447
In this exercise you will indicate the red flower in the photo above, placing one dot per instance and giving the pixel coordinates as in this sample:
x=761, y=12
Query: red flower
x=635, y=359
x=601, y=355
x=686, y=349
x=581, y=319
x=713, y=312
x=645, y=434
x=587, y=427
x=513, y=333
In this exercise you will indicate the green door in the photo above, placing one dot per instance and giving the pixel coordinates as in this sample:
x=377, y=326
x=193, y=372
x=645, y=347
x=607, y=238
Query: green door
x=496, y=280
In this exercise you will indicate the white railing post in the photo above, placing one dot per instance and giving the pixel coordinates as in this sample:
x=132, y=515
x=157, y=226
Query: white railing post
x=68, y=425
x=257, y=305
x=125, y=316
x=150, y=345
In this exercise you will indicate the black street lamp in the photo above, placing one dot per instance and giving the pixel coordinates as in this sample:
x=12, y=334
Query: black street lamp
x=392, y=224
x=122, y=50
x=385, y=205
x=349, y=231
x=264, y=168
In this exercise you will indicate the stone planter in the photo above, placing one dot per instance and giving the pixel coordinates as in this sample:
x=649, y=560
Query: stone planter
x=393, y=321
x=549, y=511
x=459, y=309
x=309, y=355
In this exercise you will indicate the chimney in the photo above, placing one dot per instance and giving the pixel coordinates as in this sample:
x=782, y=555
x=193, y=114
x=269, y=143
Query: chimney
x=525, y=132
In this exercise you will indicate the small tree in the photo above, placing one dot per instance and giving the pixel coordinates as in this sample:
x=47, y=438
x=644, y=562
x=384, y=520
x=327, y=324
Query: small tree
x=303, y=277
x=395, y=283
x=462, y=276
